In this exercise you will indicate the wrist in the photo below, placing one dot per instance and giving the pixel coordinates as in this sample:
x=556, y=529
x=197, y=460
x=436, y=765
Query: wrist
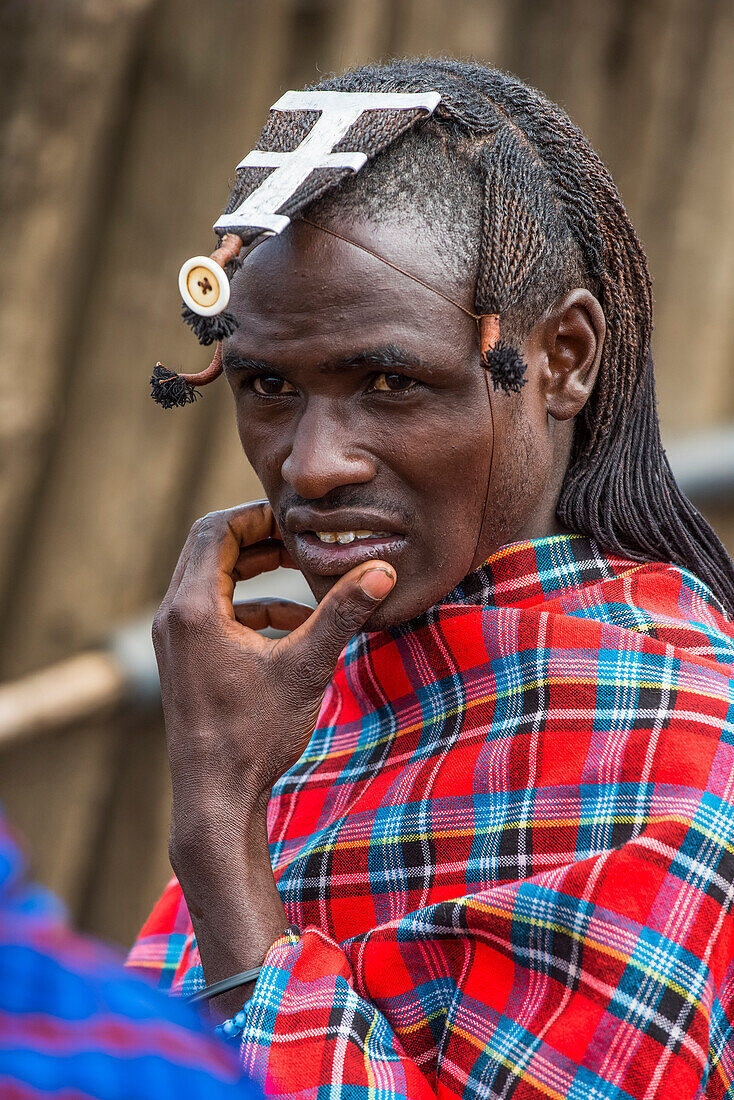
x=233, y=935
x=211, y=819
x=236, y=912
x=224, y=869
x=209, y=785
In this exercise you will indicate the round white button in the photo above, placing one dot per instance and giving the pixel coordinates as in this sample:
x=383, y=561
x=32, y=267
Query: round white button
x=204, y=286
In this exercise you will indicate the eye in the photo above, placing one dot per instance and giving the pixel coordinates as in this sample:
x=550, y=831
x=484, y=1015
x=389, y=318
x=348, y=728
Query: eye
x=393, y=382
x=271, y=385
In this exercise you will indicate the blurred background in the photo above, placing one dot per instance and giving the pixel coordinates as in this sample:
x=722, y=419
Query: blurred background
x=121, y=123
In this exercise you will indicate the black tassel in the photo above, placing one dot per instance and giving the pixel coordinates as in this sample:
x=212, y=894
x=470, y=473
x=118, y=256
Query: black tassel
x=505, y=366
x=169, y=390
x=209, y=330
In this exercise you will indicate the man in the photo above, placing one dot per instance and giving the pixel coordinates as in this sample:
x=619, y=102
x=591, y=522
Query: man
x=501, y=816
x=74, y=1024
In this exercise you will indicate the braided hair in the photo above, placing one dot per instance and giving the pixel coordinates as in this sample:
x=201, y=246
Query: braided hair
x=548, y=218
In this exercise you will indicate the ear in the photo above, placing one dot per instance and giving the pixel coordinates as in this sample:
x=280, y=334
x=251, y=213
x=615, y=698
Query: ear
x=573, y=339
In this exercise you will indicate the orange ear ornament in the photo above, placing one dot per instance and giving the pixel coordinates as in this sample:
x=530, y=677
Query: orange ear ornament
x=502, y=361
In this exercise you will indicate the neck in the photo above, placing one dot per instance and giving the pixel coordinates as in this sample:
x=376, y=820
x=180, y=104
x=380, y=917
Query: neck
x=544, y=522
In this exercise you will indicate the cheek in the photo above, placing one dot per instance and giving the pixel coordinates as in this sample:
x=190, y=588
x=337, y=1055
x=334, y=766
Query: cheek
x=454, y=467
x=265, y=445
x=446, y=463
x=517, y=474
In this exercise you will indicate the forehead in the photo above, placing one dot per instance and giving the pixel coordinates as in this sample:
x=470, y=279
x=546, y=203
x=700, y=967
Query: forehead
x=306, y=288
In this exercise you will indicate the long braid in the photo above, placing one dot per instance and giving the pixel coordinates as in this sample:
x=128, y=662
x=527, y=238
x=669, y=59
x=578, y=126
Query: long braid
x=619, y=487
x=551, y=219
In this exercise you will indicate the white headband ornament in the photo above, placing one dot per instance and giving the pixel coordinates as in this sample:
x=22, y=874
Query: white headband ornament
x=202, y=280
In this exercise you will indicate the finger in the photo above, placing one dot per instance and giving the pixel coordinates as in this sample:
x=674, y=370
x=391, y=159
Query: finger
x=271, y=612
x=178, y=572
x=315, y=646
x=257, y=513
x=216, y=543
x=262, y=558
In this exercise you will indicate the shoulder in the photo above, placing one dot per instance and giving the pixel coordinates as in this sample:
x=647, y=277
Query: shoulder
x=662, y=601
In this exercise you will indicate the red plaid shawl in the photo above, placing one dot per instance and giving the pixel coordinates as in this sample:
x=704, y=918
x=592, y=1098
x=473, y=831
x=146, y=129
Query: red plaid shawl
x=510, y=845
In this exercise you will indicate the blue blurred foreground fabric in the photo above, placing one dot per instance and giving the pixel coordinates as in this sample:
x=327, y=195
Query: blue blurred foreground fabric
x=74, y=1024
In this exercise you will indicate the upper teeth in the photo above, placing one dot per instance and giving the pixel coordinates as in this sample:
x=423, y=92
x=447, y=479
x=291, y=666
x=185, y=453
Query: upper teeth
x=343, y=536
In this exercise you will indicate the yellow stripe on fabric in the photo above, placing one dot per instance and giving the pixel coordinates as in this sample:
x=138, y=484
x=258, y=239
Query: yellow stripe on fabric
x=584, y=940
x=513, y=1067
x=514, y=548
x=370, y=841
x=371, y=1078
x=407, y=1029
x=720, y=1072
x=627, y=681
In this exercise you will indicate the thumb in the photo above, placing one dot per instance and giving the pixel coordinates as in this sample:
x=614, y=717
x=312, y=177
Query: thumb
x=318, y=643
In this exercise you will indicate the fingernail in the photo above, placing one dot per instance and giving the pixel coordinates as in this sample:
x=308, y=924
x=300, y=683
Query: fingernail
x=377, y=583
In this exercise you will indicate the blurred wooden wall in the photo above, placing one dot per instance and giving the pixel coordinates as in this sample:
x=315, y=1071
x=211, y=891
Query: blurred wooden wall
x=121, y=124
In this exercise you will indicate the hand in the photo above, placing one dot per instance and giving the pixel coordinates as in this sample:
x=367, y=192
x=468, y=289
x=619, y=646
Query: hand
x=239, y=711
x=240, y=708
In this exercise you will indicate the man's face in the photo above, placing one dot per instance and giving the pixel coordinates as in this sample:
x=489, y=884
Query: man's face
x=363, y=407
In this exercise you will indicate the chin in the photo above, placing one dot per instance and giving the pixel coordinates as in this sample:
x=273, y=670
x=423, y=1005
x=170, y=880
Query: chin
x=385, y=616
x=400, y=606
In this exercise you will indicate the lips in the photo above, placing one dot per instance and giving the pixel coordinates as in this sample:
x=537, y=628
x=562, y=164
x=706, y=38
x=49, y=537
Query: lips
x=332, y=559
x=345, y=537
x=330, y=543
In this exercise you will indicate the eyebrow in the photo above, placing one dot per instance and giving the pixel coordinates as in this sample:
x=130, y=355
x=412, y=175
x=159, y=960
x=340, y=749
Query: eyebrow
x=234, y=364
x=383, y=358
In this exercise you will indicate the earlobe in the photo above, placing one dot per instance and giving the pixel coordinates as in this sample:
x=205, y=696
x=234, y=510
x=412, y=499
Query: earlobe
x=574, y=338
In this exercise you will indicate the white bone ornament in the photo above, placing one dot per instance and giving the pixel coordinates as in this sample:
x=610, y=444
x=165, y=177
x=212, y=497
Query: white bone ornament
x=338, y=112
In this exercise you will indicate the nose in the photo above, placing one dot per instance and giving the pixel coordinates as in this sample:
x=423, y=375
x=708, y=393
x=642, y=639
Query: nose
x=325, y=454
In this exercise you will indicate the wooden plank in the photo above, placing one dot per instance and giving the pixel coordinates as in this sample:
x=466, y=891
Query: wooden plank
x=694, y=249
x=54, y=789
x=61, y=119
x=69, y=693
